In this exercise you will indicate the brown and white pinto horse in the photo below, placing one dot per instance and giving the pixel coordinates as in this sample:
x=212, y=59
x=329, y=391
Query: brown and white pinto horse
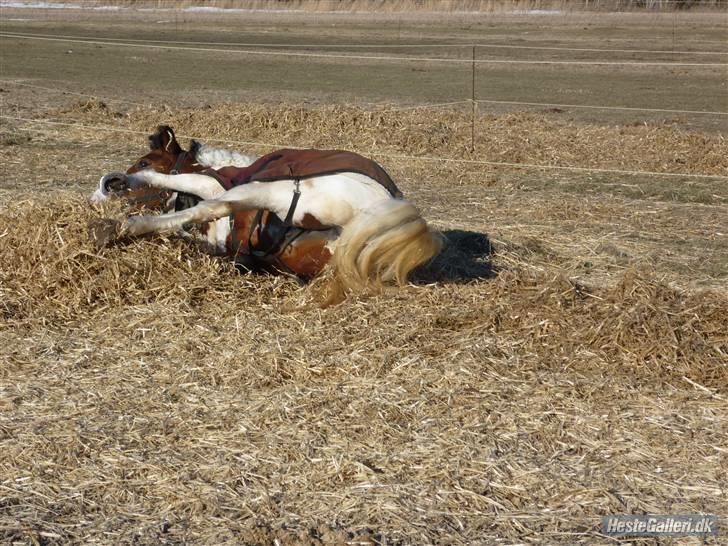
x=257, y=239
x=383, y=238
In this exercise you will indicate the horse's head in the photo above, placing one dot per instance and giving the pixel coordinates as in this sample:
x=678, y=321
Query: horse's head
x=165, y=156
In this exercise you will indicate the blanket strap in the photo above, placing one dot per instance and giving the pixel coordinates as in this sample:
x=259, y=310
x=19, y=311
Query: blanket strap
x=294, y=202
x=286, y=236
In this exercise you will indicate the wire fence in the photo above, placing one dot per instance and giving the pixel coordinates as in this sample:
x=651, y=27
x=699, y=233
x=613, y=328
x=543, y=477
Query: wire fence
x=284, y=50
x=405, y=108
x=273, y=145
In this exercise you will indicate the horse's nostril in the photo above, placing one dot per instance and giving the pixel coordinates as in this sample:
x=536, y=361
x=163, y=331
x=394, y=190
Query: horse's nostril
x=115, y=183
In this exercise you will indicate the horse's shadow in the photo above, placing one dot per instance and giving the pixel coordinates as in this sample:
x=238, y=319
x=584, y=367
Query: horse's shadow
x=465, y=256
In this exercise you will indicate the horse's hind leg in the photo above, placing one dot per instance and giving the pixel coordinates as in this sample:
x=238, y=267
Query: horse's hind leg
x=248, y=196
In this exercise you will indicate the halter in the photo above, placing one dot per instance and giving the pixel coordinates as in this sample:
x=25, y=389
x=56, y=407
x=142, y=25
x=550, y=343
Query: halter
x=178, y=164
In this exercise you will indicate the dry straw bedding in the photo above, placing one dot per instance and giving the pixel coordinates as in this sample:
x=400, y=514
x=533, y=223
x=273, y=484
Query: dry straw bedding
x=152, y=395
x=587, y=223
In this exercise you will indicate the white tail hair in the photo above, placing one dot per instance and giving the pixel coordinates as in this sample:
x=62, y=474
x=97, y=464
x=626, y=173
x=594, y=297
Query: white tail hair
x=381, y=244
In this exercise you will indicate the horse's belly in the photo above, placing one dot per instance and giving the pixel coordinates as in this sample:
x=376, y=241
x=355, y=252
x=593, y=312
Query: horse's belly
x=335, y=199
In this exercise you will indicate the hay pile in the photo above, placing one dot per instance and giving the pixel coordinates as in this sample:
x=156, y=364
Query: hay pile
x=151, y=395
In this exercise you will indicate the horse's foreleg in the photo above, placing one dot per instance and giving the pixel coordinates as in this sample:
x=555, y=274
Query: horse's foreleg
x=201, y=185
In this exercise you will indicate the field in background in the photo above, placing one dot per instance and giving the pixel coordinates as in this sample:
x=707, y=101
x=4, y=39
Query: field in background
x=375, y=60
x=564, y=359
x=406, y=6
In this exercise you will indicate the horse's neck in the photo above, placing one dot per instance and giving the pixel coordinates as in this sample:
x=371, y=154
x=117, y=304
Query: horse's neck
x=217, y=158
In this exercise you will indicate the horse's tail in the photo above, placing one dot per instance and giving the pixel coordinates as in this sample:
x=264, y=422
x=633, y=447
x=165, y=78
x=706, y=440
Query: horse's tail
x=381, y=244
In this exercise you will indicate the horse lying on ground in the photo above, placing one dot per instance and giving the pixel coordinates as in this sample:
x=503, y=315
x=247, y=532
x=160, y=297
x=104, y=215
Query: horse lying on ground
x=382, y=237
x=257, y=240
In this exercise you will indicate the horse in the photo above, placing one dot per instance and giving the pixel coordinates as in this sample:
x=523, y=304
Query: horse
x=382, y=237
x=257, y=240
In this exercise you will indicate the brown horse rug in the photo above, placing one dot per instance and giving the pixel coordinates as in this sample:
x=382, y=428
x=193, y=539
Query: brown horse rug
x=290, y=164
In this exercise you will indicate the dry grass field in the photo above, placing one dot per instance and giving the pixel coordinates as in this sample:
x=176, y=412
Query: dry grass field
x=565, y=358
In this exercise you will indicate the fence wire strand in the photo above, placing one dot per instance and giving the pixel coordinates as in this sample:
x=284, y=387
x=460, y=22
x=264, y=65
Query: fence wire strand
x=390, y=156
x=412, y=107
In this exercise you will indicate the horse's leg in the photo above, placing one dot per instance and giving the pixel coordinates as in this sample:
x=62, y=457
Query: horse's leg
x=315, y=202
x=331, y=199
x=249, y=196
x=201, y=185
x=205, y=211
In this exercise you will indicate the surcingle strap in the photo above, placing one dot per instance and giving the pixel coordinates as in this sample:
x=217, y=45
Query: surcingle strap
x=273, y=238
x=279, y=235
x=294, y=202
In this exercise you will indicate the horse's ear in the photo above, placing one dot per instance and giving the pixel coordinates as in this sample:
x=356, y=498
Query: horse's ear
x=164, y=139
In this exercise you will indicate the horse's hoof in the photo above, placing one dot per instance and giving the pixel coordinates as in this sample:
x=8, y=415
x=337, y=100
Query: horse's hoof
x=114, y=183
x=103, y=232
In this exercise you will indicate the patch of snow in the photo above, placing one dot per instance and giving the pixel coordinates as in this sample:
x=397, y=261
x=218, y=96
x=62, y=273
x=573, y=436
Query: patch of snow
x=55, y=5
x=39, y=5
